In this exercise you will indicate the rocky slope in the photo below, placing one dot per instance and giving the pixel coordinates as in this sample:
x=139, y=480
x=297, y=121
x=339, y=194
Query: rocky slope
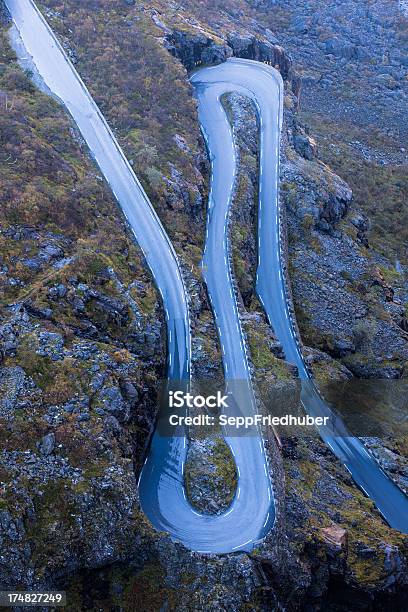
x=82, y=330
x=81, y=347
x=354, y=94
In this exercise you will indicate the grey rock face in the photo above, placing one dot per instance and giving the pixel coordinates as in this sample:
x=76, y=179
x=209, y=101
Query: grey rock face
x=305, y=146
x=112, y=401
x=59, y=291
x=47, y=444
x=319, y=193
x=129, y=390
x=51, y=345
x=343, y=348
x=14, y=386
x=192, y=49
x=340, y=48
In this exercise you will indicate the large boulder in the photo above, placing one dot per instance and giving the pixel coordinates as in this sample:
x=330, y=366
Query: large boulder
x=341, y=48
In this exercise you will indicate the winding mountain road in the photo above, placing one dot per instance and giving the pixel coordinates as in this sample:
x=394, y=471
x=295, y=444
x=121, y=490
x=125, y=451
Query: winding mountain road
x=161, y=486
x=252, y=512
x=263, y=86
